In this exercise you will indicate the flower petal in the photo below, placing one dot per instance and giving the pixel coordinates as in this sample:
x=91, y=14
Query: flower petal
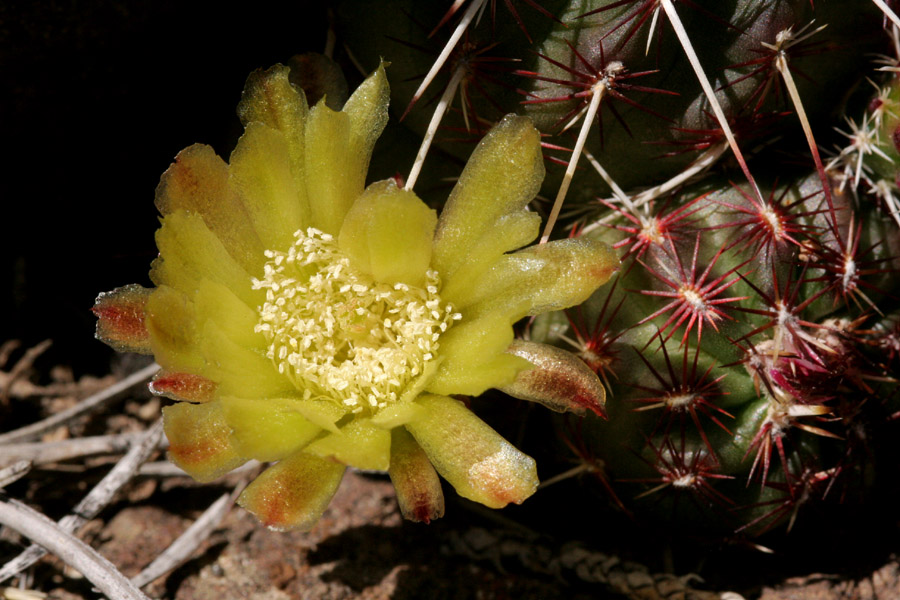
x=294, y=493
x=416, y=482
x=271, y=99
x=541, y=278
x=120, y=319
x=216, y=302
x=503, y=175
x=367, y=108
x=171, y=322
x=237, y=369
x=387, y=234
x=559, y=380
x=396, y=414
x=198, y=182
x=200, y=440
x=267, y=429
x=273, y=193
x=474, y=359
x=183, y=387
x=474, y=458
x=338, y=149
x=358, y=444
x=189, y=252
x=511, y=232
x=185, y=340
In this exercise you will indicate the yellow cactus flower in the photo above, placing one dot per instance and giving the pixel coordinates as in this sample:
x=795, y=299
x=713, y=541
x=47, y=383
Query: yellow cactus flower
x=304, y=319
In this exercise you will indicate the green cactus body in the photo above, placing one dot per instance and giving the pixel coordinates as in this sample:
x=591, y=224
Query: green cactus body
x=750, y=340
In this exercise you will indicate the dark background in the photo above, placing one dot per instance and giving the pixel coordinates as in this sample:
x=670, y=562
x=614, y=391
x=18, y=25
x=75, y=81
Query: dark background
x=96, y=98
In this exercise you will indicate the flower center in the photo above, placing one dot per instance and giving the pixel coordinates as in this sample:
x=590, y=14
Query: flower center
x=337, y=334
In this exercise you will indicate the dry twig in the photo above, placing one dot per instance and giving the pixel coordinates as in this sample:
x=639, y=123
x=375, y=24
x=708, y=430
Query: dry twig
x=49, y=452
x=32, y=431
x=181, y=549
x=95, y=500
x=68, y=548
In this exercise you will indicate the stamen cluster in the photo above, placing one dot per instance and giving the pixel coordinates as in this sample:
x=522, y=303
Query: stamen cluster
x=336, y=333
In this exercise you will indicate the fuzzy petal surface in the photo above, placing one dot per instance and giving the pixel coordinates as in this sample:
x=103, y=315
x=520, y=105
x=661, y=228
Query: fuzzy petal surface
x=338, y=149
x=475, y=459
x=542, y=278
x=267, y=429
x=293, y=493
x=474, y=358
x=388, y=232
x=502, y=176
x=358, y=444
x=559, y=380
x=198, y=183
x=120, y=319
x=200, y=440
x=183, y=387
x=262, y=171
x=416, y=482
x=189, y=251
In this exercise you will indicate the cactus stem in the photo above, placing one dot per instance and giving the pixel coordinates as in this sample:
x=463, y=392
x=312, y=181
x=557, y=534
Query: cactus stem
x=509, y=6
x=655, y=231
x=618, y=193
x=863, y=141
x=439, y=111
x=680, y=473
x=703, y=162
x=683, y=396
x=573, y=438
x=844, y=268
x=573, y=472
x=795, y=495
x=694, y=300
x=768, y=225
x=595, y=345
x=884, y=190
x=680, y=31
x=785, y=319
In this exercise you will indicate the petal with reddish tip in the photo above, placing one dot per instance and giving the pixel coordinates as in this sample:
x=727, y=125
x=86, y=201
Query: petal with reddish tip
x=271, y=99
x=198, y=182
x=474, y=458
x=416, y=482
x=184, y=387
x=200, y=440
x=294, y=493
x=120, y=319
x=559, y=380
